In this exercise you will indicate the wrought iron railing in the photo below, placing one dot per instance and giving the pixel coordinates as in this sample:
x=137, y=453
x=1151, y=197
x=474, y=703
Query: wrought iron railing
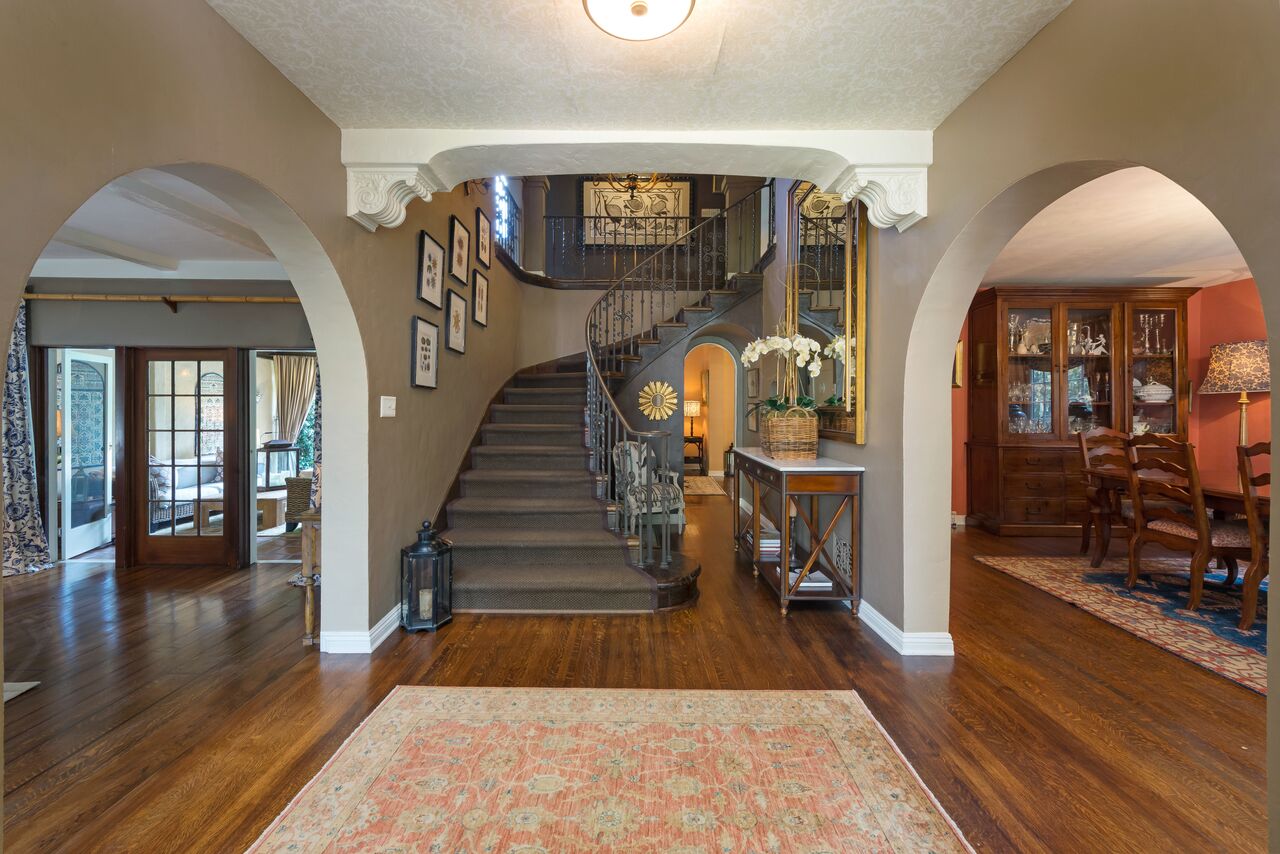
x=506, y=226
x=634, y=465
x=602, y=248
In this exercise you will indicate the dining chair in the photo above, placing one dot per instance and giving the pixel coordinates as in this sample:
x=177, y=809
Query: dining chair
x=1168, y=509
x=1101, y=449
x=1259, y=526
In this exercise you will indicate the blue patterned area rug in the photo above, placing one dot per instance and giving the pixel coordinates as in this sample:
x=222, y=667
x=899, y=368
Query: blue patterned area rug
x=1155, y=609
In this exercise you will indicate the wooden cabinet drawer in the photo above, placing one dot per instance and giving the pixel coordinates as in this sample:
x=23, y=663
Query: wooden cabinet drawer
x=1033, y=485
x=1018, y=460
x=1074, y=486
x=1049, y=511
x=1077, y=509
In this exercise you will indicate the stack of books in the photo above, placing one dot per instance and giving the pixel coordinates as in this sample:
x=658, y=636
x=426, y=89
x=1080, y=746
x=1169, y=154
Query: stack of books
x=813, y=581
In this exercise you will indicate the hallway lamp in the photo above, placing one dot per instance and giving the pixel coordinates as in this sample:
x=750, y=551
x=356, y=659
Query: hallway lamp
x=1239, y=368
x=692, y=409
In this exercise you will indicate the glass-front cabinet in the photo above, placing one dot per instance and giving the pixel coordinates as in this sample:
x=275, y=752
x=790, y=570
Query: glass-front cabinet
x=1047, y=363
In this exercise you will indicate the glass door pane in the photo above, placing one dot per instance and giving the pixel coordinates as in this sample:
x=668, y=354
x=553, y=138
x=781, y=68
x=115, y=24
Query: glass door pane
x=185, y=435
x=1154, y=346
x=1030, y=374
x=1090, y=343
x=88, y=447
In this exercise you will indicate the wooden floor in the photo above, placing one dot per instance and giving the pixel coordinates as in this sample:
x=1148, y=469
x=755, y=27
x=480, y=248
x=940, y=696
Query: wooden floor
x=178, y=710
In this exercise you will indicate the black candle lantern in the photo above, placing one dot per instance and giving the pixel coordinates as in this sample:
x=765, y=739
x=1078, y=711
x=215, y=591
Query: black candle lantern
x=728, y=461
x=426, y=582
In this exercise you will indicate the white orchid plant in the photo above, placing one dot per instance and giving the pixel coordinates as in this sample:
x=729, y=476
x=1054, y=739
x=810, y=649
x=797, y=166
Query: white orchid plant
x=794, y=352
x=835, y=352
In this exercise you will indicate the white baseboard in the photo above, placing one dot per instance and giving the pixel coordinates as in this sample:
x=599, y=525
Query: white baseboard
x=905, y=643
x=715, y=474
x=361, y=643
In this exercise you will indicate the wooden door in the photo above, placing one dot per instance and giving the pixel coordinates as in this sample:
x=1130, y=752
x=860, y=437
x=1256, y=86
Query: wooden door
x=186, y=468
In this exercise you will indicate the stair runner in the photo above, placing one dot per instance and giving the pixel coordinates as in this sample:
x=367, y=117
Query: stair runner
x=528, y=534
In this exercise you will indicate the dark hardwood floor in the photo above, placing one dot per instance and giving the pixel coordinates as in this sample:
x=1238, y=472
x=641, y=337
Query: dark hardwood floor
x=178, y=710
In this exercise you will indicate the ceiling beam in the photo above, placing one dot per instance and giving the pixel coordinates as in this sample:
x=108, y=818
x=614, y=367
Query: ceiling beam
x=109, y=248
x=164, y=202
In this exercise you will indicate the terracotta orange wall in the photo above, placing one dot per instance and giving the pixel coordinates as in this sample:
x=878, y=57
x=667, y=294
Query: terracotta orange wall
x=1230, y=312
x=960, y=434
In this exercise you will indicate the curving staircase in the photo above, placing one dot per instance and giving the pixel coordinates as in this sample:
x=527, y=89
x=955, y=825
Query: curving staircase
x=542, y=522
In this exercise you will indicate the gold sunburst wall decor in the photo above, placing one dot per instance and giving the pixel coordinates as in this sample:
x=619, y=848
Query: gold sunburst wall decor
x=658, y=400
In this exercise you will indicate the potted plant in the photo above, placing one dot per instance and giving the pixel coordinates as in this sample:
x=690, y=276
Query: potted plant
x=833, y=414
x=789, y=426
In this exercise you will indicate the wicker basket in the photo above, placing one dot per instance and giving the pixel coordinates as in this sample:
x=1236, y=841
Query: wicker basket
x=790, y=435
x=835, y=418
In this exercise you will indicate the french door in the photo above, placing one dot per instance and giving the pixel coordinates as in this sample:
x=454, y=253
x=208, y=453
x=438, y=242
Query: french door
x=187, y=469
x=87, y=393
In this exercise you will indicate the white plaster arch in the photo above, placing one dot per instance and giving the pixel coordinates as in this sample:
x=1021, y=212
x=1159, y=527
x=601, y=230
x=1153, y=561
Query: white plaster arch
x=929, y=356
x=342, y=361
x=388, y=168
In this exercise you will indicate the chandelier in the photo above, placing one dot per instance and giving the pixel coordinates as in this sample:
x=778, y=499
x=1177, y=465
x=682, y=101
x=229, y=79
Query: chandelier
x=632, y=183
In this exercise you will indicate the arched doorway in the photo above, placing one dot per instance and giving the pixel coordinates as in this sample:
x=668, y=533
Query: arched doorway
x=341, y=355
x=711, y=381
x=929, y=370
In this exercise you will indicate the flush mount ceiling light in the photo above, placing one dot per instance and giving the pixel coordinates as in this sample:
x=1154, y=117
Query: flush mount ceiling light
x=638, y=20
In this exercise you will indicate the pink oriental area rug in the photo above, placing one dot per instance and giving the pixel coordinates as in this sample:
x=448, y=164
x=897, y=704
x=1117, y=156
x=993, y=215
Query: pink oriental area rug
x=560, y=771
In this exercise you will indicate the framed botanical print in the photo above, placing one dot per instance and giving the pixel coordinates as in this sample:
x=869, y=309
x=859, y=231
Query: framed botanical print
x=430, y=270
x=459, y=250
x=753, y=420
x=479, y=298
x=456, y=333
x=484, y=239
x=425, y=369
x=753, y=384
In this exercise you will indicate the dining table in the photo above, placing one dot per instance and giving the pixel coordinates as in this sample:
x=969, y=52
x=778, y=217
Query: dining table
x=1222, y=493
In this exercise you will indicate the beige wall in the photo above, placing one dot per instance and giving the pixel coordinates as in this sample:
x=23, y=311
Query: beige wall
x=719, y=412
x=1189, y=88
x=93, y=91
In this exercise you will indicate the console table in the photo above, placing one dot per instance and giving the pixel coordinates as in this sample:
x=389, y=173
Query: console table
x=700, y=460
x=799, y=574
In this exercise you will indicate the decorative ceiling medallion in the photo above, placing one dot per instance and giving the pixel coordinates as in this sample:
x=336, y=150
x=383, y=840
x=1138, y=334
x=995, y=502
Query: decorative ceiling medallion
x=658, y=400
x=638, y=20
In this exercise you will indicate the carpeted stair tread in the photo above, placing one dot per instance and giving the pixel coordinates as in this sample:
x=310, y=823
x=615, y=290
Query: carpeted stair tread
x=530, y=456
x=535, y=413
x=596, y=577
x=518, y=510
x=526, y=476
x=528, y=434
x=527, y=506
x=498, y=482
x=566, y=379
x=475, y=537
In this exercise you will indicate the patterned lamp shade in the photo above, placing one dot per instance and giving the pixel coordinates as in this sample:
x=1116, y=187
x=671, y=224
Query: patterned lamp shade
x=1240, y=366
x=692, y=408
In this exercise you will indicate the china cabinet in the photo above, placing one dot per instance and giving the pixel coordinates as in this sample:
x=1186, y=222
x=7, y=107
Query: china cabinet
x=1046, y=363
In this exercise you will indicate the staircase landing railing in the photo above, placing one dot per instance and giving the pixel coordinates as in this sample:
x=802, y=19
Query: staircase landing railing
x=633, y=464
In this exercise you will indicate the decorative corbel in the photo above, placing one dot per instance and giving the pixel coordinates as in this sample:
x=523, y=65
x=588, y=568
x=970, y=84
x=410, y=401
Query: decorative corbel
x=379, y=195
x=896, y=196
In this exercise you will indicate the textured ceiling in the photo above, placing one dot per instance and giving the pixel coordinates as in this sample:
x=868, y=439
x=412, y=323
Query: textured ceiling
x=760, y=64
x=1132, y=227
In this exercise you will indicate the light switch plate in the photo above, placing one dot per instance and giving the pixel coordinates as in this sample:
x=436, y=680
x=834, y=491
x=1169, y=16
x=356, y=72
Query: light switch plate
x=387, y=407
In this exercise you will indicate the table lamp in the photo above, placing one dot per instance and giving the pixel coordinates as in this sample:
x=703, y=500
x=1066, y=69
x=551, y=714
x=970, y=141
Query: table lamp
x=692, y=409
x=1239, y=368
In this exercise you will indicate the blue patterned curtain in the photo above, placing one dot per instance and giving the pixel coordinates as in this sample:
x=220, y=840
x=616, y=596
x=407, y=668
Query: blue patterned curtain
x=318, y=445
x=26, y=549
